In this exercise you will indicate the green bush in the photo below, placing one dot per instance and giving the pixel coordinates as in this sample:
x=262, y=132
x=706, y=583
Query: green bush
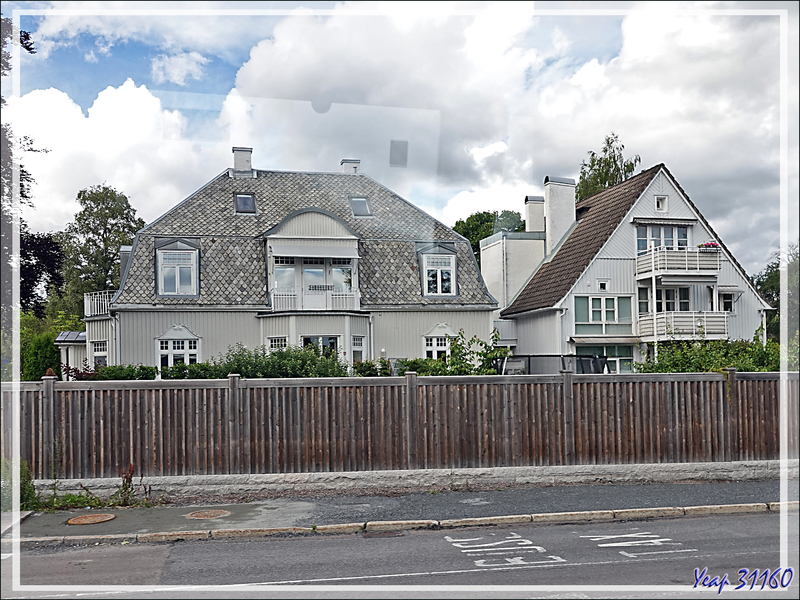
x=38, y=356
x=705, y=356
x=28, y=497
x=365, y=368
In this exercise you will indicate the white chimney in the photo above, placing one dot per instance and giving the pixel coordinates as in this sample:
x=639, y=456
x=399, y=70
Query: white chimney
x=350, y=165
x=534, y=213
x=559, y=209
x=242, y=162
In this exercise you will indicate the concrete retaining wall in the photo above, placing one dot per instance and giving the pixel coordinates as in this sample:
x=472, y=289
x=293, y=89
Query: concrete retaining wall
x=354, y=481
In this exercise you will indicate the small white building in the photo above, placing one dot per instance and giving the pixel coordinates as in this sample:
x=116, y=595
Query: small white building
x=614, y=274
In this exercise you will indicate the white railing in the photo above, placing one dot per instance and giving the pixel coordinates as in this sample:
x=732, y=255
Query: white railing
x=691, y=260
x=683, y=325
x=96, y=303
x=320, y=298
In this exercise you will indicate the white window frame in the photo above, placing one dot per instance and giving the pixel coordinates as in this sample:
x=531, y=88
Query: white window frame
x=236, y=206
x=163, y=269
x=662, y=204
x=722, y=296
x=429, y=264
x=100, y=351
x=277, y=343
x=437, y=346
x=676, y=300
x=170, y=348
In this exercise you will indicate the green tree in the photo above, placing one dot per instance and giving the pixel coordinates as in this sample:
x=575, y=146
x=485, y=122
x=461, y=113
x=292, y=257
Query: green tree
x=603, y=171
x=481, y=225
x=91, y=243
x=10, y=149
x=38, y=356
x=768, y=282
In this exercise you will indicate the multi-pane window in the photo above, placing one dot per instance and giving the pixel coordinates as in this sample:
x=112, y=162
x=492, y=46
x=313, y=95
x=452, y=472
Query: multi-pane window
x=440, y=275
x=603, y=315
x=644, y=305
x=177, y=352
x=665, y=237
x=358, y=348
x=277, y=343
x=437, y=347
x=672, y=299
x=100, y=353
x=284, y=274
x=726, y=302
x=177, y=273
x=342, y=275
x=619, y=358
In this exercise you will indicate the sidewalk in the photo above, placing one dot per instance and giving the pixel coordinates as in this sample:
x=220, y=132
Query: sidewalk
x=352, y=513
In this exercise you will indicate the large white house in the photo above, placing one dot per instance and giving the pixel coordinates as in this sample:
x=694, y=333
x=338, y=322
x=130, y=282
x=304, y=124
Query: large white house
x=614, y=274
x=282, y=258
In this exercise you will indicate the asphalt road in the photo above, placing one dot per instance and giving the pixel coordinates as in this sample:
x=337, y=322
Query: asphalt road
x=654, y=558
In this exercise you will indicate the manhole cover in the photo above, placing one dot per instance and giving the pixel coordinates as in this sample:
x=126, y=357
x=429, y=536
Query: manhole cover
x=208, y=514
x=89, y=519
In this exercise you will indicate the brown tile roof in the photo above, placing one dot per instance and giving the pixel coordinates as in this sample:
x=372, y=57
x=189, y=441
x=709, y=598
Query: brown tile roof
x=602, y=214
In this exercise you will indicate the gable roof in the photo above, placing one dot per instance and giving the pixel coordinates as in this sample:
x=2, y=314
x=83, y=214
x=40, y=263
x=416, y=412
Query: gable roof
x=599, y=217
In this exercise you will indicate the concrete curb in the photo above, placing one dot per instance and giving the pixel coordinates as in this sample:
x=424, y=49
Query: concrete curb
x=194, y=485
x=627, y=514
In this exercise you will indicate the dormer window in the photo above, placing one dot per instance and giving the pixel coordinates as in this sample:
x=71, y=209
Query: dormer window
x=245, y=204
x=177, y=268
x=440, y=275
x=360, y=207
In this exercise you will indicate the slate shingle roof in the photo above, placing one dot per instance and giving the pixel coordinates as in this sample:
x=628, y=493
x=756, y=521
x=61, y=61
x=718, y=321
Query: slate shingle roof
x=232, y=259
x=603, y=213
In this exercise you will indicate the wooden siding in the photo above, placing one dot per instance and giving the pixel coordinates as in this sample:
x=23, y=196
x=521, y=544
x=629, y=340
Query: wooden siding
x=96, y=429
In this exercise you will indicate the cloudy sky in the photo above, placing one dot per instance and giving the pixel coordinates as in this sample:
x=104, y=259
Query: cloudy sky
x=150, y=97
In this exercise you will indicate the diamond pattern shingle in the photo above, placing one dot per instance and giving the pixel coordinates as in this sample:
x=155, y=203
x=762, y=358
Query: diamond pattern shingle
x=232, y=258
x=603, y=212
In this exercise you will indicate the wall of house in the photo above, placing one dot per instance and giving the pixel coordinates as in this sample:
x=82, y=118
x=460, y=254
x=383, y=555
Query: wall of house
x=540, y=333
x=98, y=330
x=401, y=333
x=508, y=261
x=217, y=330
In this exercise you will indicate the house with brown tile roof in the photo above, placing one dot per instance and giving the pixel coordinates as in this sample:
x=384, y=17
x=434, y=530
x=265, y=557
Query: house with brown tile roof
x=282, y=258
x=631, y=266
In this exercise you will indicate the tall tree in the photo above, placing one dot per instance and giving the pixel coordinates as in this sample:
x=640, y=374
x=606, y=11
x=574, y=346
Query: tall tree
x=481, y=225
x=768, y=282
x=91, y=242
x=10, y=148
x=603, y=171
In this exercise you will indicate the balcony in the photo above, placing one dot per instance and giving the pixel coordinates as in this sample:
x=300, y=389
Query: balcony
x=315, y=297
x=95, y=304
x=684, y=325
x=691, y=261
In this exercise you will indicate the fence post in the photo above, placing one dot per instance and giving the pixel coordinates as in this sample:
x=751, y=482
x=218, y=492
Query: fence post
x=731, y=407
x=411, y=420
x=568, y=402
x=48, y=458
x=233, y=423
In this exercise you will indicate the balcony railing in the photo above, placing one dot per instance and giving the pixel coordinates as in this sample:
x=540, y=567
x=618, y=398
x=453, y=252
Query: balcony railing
x=96, y=304
x=319, y=297
x=690, y=260
x=684, y=325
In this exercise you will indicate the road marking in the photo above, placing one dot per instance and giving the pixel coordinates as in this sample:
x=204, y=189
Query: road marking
x=632, y=554
x=600, y=538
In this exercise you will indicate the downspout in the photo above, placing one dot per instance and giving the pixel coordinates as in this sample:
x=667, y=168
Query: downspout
x=117, y=343
x=561, y=313
x=505, y=271
x=655, y=312
x=371, y=339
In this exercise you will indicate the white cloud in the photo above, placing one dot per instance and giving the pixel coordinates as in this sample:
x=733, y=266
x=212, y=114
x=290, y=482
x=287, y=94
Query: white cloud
x=178, y=67
x=127, y=141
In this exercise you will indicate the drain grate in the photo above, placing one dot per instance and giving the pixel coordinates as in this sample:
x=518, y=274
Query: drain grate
x=89, y=519
x=208, y=514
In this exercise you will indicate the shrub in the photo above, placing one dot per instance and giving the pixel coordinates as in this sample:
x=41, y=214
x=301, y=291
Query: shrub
x=109, y=372
x=365, y=368
x=38, y=356
x=28, y=496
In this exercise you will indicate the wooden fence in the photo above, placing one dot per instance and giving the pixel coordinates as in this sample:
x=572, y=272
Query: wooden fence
x=96, y=429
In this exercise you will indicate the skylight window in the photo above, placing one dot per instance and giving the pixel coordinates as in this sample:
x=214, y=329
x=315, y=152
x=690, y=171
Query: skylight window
x=360, y=207
x=245, y=204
